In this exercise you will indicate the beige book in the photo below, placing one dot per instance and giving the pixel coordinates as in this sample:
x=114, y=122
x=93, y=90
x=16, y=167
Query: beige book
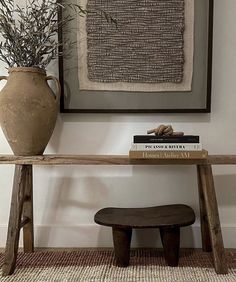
x=157, y=154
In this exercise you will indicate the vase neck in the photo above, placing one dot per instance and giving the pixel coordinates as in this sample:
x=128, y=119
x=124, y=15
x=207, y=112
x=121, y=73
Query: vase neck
x=27, y=70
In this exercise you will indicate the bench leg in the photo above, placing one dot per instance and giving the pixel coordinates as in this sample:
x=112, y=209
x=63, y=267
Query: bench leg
x=206, y=240
x=122, y=239
x=210, y=202
x=28, y=229
x=21, y=180
x=170, y=238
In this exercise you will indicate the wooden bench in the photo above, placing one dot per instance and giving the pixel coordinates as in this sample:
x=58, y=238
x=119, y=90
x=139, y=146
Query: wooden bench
x=21, y=211
x=168, y=219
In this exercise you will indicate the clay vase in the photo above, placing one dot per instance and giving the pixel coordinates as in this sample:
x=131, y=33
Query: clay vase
x=28, y=110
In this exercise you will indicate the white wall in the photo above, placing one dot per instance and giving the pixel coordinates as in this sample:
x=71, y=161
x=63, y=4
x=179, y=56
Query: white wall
x=66, y=198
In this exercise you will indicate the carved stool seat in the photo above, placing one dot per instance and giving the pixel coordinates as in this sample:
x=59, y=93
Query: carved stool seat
x=168, y=219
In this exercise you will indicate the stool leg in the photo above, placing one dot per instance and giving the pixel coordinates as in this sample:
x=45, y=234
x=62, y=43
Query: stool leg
x=170, y=238
x=122, y=239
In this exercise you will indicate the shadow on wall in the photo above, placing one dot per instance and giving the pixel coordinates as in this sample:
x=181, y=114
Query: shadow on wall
x=62, y=198
x=139, y=117
x=73, y=201
x=225, y=189
x=71, y=135
x=88, y=133
x=150, y=238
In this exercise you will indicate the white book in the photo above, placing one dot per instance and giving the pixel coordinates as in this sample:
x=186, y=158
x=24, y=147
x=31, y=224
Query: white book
x=166, y=146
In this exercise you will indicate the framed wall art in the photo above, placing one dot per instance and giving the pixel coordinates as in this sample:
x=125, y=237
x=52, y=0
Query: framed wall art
x=156, y=58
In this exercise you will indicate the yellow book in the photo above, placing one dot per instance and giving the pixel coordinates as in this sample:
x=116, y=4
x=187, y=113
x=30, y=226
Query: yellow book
x=157, y=154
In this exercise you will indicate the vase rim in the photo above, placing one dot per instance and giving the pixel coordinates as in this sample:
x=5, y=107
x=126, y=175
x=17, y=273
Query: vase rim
x=27, y=69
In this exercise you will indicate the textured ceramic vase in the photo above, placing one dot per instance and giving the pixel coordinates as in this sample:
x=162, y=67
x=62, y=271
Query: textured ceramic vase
x=28, y=110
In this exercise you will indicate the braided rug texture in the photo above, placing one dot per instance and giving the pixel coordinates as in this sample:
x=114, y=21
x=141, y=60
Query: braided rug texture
x=146, y=46
x=98, y=265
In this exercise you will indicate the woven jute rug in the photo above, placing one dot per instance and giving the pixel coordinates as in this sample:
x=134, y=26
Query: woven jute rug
x=98, y=265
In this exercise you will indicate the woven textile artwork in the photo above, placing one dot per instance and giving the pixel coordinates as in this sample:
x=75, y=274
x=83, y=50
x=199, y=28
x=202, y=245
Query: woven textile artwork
x=147, y=46
x=150, y=50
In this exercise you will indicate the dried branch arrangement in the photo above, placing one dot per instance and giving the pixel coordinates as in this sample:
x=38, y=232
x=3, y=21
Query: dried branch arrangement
x=30, y=31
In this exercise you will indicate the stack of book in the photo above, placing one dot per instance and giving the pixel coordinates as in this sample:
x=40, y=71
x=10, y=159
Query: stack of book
x=167, y=147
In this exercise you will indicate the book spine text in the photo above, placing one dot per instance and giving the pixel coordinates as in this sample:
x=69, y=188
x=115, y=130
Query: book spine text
x=168, y=154
x=167, y=146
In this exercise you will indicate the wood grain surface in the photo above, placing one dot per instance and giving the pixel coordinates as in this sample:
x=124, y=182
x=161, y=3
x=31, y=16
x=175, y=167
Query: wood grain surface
x=56, y=159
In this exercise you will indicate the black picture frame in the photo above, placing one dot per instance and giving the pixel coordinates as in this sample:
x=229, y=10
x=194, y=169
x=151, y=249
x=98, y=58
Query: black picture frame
x=111, y=98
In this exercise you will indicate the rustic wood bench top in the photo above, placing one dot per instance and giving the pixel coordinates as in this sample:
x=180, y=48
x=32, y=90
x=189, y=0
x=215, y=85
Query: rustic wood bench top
x=55, y=159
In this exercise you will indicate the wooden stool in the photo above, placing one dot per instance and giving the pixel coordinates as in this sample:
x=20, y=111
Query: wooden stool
x=168, y=219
